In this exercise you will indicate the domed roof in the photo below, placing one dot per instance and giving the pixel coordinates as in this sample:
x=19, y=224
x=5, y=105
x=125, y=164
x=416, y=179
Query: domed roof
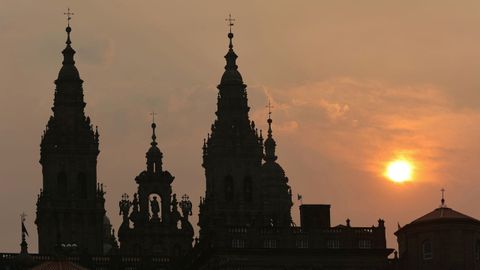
x=231, y=76
x=60, y=265
x=68, y=73
x=444, y=214
x=441, y=215
x=272, y=169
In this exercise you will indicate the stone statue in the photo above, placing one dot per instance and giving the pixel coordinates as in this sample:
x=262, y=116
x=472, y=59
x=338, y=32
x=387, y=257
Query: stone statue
x=186, y=206
x=155, y=207
x=124, y=206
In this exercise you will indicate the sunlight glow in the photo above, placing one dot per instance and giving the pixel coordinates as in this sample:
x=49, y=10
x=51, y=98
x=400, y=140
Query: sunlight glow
x=399, y=171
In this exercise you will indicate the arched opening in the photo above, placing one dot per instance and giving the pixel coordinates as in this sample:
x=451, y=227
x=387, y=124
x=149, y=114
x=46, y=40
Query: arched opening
x=427, y=250
x=82, y=185
x=155, y=206
x=229, y=188
x=62, y=183
x=247, y=189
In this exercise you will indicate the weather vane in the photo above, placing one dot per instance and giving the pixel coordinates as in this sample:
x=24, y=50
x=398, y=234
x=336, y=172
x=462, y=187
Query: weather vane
x=270, y=107
x=153, y=116
x=230, y=21
x=69, y=15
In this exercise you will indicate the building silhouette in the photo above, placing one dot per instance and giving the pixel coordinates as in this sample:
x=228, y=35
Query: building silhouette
x=158, y=227
x=70, y=206
x=443, y=239
x=245, y=217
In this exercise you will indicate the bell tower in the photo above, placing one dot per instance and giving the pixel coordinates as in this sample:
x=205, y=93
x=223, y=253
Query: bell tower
x=232, y=158
x=70, y=206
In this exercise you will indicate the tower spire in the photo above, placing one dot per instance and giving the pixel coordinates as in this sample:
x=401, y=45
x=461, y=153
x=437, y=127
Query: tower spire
x=154, y=126
x=23, y=245
x=270, y=143
x=231, y=73
x=154, y=155
x=68, y=71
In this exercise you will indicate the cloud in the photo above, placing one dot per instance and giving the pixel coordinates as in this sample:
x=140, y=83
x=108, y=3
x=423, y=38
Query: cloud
x=368, y=122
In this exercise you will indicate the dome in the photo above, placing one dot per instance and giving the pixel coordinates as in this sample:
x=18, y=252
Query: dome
x=272, y=169
x=441, y=215
x=68, y=73
x=230, y=76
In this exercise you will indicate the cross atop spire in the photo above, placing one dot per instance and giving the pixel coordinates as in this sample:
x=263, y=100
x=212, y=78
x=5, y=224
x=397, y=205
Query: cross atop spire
x=230, y=21
x=270, y=107
x=69, y=16
x=270, y=143
x=443, y=198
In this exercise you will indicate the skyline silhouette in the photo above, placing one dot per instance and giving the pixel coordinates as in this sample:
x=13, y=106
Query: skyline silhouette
x=314, y=118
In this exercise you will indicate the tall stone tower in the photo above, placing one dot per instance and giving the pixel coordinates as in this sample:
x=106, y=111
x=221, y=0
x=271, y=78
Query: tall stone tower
x=235, y=194
x=70, y=207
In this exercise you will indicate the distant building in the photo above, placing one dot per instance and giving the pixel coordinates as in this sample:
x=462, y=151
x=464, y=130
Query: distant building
x=443, y=239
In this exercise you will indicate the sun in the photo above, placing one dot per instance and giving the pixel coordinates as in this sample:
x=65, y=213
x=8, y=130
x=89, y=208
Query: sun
x=399, y=171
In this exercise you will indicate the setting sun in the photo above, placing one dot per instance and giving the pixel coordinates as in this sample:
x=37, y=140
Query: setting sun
x=399, y=171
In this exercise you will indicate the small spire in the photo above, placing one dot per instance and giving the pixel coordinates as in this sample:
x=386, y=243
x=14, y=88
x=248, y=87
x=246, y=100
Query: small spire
x=154, y=137
x=269, y=106
x=270, y=143
x=69, y=29
x=68, y=71
x=231, y=73
x=23, y=245
x=230, y=21
x=442, y=201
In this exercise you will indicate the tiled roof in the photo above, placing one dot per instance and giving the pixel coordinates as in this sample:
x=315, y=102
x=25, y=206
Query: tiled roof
x=444, y=213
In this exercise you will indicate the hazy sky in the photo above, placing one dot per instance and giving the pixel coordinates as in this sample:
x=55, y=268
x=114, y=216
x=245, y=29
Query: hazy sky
x=353, y=83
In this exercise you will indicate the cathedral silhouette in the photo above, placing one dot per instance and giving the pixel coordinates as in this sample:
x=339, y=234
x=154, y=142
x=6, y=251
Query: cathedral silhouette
x=245, y=215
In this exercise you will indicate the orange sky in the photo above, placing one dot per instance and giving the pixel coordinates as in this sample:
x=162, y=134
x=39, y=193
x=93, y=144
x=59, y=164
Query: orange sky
x=353, y=84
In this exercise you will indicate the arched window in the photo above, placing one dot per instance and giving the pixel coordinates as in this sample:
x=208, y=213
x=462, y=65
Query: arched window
x=62, y=183
x=247, y=189
x=229, y=188
x=82, y=185
x=427, y=250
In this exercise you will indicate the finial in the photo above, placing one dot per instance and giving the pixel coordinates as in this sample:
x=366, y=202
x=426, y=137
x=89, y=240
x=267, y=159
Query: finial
x=69, y=16
x=68, y=29
x=443, y=198
x=154, y=137
x=269, y=106
x=24, y=245
x=230, y=21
